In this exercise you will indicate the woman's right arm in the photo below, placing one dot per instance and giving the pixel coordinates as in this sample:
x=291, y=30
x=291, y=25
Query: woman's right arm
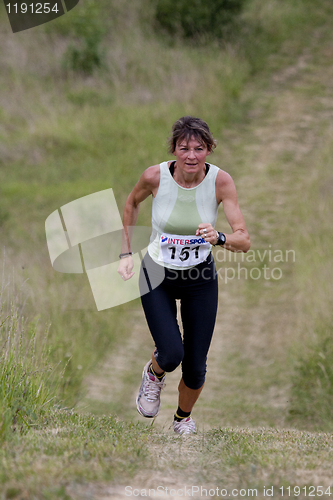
x=147, y=185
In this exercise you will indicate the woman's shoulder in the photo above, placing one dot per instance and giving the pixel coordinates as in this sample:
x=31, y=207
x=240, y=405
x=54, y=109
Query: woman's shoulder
x=223, y=178
x=225, y=186
x=151, y=176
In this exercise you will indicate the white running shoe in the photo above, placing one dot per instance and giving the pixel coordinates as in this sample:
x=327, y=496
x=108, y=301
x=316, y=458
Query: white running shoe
x=185, y=426
x=148, y=401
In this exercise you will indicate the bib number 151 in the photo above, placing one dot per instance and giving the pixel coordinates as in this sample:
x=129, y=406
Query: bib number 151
x=184, y=253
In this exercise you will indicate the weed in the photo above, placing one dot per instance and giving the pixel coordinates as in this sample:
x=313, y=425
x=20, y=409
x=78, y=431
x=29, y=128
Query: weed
x=312, y=389
x=25, y=369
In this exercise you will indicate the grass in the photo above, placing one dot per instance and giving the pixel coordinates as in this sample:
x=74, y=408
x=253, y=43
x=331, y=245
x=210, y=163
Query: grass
x=66, y=448
x=266, y=95
x=312, y=386
x=70, y=455
x=26, y=371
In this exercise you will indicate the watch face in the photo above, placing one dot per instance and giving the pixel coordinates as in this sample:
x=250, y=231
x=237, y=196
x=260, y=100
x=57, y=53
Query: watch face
x=222, y=239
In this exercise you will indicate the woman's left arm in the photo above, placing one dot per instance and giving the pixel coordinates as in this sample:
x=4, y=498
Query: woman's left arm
x=238, y=240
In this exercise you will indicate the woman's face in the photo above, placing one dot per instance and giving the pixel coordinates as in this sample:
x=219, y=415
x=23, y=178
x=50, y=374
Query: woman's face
x=191, y=155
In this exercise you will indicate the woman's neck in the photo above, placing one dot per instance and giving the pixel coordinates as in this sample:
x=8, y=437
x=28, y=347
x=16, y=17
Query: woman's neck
x=188, y=180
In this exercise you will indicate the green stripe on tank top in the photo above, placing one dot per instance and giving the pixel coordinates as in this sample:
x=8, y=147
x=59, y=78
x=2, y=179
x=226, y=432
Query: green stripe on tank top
x=185, y=217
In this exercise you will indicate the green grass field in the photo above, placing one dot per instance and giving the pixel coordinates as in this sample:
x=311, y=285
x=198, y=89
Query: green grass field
x=265, y=417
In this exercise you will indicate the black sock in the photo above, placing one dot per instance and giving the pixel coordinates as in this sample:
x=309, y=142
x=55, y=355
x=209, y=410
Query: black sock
x=151, y=370
x=180, y=414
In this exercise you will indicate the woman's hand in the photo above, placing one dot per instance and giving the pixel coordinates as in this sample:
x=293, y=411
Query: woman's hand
x=207, y=231
x=125, y=268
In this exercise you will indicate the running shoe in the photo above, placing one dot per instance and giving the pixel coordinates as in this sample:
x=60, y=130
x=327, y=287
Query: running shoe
x=185, y=426
x=148, y=401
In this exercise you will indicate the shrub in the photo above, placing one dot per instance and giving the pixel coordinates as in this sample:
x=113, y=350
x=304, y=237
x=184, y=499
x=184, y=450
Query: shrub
x=84, y=53
x=198, y=17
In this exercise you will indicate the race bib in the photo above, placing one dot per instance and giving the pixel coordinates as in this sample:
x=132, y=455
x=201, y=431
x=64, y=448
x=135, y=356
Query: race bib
x=183, y=251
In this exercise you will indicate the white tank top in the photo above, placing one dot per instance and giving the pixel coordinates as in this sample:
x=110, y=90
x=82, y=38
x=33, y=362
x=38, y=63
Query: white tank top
x=177, y=211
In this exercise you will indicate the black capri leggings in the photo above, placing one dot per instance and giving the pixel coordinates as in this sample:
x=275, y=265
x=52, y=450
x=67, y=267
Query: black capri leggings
x=197, y=289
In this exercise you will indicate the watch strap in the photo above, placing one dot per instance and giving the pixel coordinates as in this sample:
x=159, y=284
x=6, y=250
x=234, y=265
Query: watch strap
x=221, y=238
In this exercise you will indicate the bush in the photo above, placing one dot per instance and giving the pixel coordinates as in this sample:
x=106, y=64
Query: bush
x=85, y=54
x=198, y=17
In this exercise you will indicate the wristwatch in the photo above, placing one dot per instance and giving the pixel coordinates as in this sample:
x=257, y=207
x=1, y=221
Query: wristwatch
x=221, y=238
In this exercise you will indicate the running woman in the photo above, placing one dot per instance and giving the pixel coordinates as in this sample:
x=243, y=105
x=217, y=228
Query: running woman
x=186, y=195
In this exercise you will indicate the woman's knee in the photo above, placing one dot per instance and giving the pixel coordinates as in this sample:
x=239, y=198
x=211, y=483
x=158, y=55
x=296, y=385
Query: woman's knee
x=194, y=378
x=169, y=360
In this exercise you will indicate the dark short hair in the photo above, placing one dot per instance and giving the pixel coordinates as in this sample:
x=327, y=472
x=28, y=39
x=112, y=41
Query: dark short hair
x=187, y=127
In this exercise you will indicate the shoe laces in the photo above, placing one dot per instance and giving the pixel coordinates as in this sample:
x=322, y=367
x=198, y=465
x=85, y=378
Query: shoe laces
x=152, y=388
